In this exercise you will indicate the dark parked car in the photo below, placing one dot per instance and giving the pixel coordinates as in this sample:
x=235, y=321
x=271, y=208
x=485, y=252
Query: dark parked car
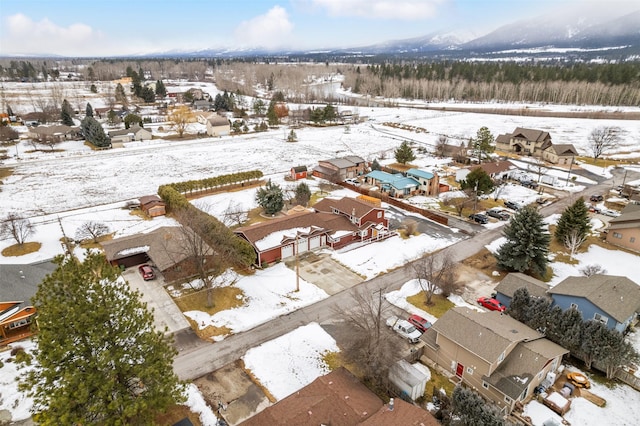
x=419, y=323
x=498, y=214
x=491, y=304
x=479, y=218
x=596, y=198
x=512, y=205
x=146, y=272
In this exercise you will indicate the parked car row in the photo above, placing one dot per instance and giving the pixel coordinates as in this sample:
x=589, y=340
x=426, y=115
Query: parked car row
x=411, y=328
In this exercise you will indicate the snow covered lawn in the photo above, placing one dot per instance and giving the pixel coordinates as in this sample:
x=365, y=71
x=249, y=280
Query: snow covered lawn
x=291, y=361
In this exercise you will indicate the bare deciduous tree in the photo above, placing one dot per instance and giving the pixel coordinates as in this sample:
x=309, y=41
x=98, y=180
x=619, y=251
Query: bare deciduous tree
x=590, y=270
x=441, y=146
x=603, y=138
x=91, y=231
x=180, y=118
x=410, y=226
x=573, y=240
x=17, y=227
x=234, y=214
x=434, y=272
x=367, y=347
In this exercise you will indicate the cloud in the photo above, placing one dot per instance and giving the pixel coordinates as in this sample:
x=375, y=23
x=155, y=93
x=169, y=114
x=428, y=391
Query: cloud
x=21, y=34
x=387, y=9
x=270, y=30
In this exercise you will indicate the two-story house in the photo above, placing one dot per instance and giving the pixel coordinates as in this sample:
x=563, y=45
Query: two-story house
x=428, y=183
x=334, y=224
x=524, y=141
x=492, y=353
x=624, y=230
x=340, y=169
x=612, y=300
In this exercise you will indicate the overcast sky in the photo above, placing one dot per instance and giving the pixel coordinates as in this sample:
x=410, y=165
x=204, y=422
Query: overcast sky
x=126, y=27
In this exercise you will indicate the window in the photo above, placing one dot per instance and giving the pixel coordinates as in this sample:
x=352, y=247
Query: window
x=485, y=385
x=379, y=215
x=469, y=370
x=632, y=239
x=501, y=358
x=20, y=323
x=507, y=400
x=600, y=318
x=617, y=235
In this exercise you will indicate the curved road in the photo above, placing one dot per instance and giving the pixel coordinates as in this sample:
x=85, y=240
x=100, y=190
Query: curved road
x=197, y=358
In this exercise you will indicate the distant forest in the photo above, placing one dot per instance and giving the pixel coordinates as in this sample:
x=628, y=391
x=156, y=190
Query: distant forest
x=614, y=84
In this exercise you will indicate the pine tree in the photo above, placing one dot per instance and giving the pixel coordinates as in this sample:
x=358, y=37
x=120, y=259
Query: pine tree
x=575, y=217
x=375, y=165
x=94, y=133
x=88, y=110
x=99, y=358
x=66, y=113
x=270, y=198
x=161, y=90
x=519, y=307
x=480, y=178
x=303, y=194
x=272, y=116
x=120, y=95
x=483, y=143
x=527, y=245
x=404, y=153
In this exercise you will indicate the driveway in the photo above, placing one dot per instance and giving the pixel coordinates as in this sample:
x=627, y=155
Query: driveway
x=165, y=311
x=323, y=271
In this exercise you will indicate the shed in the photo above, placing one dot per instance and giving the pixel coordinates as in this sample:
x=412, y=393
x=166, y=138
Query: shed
x=298, y=172
x=408, y=379
x=152, y=205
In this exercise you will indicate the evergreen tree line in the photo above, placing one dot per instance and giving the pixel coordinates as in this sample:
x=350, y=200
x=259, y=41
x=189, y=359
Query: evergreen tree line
x=94, y=133
x=590, y=340
x=191, y=186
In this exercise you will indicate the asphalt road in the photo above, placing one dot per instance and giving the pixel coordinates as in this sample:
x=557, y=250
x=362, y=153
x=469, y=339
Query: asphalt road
x=197, y=358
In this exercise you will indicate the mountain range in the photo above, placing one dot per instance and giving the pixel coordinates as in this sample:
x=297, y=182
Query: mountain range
x=543, y=38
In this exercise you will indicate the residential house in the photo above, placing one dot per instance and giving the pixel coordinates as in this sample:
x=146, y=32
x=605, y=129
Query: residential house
x=217, y=125
x=15, y=321
x=203, y=105
x=612, y=300
x=58, y=132
x=339, y=399
x=396, y=184
x=516, y=280
x=152, y=205
x=133, y=133
x=299, y=172
x=624, y=230
x=495, y=169
x=562, y=154
x=428, y=183
x=340, y=169
x=166, y=248
x=492, y=353
x=335, y=224
x=524, y=141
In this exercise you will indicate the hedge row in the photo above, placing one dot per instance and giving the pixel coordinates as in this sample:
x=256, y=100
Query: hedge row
x=214, y=182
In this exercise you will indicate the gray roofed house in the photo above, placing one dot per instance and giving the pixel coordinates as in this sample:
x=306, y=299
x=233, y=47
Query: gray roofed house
x=339, y=169
x=612, y=300
x=133, y=133
x=562, y=154
x=515, y=280
x=20, y=282
x=503, y=359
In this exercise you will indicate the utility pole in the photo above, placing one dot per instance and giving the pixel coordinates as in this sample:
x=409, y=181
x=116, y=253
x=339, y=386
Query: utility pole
x=297, y=248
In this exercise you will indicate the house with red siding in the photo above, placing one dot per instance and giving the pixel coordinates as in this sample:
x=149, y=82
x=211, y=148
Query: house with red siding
x=15, y=321
x=334, y=224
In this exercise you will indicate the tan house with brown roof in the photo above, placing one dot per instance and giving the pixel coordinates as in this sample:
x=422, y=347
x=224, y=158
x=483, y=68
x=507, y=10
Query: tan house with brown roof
x=562, y=154
x=524, y=141
x=624, y=230
x=152, y=205
x=495, y=170
x=492, y=353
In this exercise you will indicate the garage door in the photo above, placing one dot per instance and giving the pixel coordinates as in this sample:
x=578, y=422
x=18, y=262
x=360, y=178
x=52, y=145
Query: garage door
x=287, y=251
x=314, y=242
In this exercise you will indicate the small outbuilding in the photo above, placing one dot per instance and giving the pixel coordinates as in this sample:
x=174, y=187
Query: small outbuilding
x=410, y=380
x=152, y=205
x=299, y=172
